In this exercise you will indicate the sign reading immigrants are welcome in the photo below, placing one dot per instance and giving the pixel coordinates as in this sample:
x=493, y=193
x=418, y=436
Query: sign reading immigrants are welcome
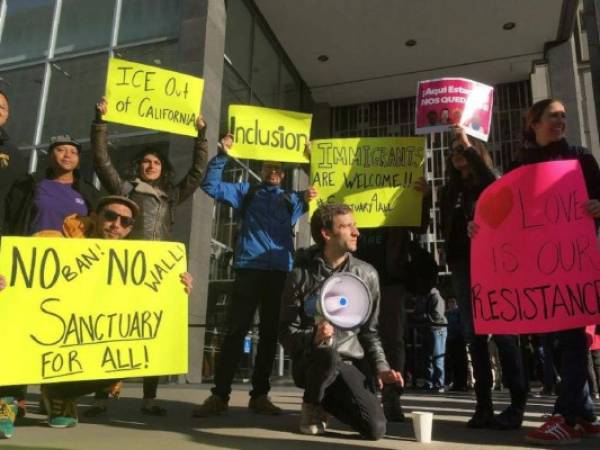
x=85, y=309
x=152, y=97
x=374, y=176
x=269, y=134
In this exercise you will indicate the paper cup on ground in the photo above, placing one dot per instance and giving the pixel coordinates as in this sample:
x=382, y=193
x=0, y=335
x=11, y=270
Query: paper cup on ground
x=422, y=425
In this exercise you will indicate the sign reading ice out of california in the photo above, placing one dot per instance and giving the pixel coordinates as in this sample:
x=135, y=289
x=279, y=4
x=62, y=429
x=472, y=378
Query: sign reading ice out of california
x=86, y=309
x=535, y=261
x=152, y=97
x=374, y=176
x=269, y=134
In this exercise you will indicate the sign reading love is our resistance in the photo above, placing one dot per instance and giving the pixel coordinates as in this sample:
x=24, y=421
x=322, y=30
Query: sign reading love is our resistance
x=535, y=262
x=269, y=134
x=86, y=309
x=374, y=176
x=152, y=97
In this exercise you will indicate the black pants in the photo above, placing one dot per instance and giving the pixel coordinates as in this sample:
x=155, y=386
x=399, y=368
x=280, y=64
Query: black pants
x=150, y=389
x=511, y=359
x=574, y=400
x=457, y=362
x=392, y=320
x=512, y=368
x=252, y=290
x=73, y=389
x=342, y=389
x=392, y=326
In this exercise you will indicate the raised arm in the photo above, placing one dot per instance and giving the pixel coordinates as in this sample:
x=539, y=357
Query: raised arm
x=193, y=178
x=109, y=177
x=213, y=184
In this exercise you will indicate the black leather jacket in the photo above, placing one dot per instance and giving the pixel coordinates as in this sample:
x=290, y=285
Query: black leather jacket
x=157, y=208
x=296, y=329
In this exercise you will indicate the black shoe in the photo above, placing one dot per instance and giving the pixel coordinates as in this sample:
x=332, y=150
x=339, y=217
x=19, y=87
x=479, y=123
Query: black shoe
x=483, y=418
x=393, y=413
x=509, y=419
x=392, y=408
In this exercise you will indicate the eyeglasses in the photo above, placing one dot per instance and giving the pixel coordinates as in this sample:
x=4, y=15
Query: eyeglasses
x=112, y=216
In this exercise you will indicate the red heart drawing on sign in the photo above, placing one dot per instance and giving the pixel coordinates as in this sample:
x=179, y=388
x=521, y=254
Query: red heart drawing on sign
x=495, y=206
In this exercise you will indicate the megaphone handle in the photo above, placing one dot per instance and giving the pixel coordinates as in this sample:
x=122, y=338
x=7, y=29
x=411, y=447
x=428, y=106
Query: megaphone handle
x=327, y=342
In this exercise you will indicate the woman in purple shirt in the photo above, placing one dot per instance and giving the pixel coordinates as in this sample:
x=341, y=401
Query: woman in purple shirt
x=42, y=201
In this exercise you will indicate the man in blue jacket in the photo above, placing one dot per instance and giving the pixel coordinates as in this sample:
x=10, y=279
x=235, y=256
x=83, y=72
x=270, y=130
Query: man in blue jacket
x=263, y=257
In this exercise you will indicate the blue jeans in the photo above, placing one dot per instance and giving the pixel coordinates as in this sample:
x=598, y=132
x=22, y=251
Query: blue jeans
x=574, y=399
x=435, y=351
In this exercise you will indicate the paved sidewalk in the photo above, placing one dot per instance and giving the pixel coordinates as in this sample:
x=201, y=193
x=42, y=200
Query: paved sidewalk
x=125, y=428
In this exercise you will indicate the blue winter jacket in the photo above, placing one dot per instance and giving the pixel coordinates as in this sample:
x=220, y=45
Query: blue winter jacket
x=265, y=240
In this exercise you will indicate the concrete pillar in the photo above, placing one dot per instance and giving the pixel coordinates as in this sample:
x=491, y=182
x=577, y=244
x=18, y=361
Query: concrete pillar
x=540, y=83
x=591, y=26
x=564, y=86
x=201, y=50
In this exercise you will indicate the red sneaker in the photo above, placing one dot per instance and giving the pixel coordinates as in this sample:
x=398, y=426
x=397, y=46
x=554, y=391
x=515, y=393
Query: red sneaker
x=588, y=429
x=554, y=431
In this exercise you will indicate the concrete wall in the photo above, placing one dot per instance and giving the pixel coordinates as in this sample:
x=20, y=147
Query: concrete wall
x=201, y=50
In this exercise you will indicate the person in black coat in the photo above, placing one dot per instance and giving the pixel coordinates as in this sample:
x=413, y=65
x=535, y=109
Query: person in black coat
x=574, y=416
x=470, y=172
x=12, y=164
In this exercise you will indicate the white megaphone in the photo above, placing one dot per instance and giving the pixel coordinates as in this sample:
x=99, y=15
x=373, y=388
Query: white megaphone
x=343, y=300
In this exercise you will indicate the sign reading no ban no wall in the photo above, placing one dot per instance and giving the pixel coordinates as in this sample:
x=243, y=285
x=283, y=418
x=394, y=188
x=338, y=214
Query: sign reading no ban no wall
x=87, y=309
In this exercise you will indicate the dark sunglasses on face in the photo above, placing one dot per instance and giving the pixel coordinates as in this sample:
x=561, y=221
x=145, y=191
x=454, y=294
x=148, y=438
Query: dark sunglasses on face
x=112, y=216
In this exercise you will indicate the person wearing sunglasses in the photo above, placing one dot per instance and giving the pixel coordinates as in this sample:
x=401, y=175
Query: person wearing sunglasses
x=150, y=183
x=114, y=218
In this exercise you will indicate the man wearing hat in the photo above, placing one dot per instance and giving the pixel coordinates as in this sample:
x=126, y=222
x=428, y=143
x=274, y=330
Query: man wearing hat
x=113, y=218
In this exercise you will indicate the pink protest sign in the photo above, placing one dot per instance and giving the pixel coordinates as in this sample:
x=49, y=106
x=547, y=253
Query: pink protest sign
x=445, y=102
x=535, y=262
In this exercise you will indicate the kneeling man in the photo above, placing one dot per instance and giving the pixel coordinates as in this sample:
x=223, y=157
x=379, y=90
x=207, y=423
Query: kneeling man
x=325, y=360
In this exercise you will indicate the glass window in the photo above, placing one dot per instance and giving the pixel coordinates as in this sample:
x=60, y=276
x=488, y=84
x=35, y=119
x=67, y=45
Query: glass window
x=238, y=41
x=26, y=31
x=75, y=87
x=161, y=55
x=290, y=90
x=234, y=92
x=84, y=25
x=147, y=19
x=265, y=69
x=23, y=87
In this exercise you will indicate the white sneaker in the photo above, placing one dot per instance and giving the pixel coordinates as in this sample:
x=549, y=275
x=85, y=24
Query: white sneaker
x=310, y=419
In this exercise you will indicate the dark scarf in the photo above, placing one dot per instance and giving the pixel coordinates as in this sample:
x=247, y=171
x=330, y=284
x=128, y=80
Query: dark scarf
x=533, y=153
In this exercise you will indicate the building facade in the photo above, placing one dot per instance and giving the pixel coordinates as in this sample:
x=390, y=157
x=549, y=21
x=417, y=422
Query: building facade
x=347, y=62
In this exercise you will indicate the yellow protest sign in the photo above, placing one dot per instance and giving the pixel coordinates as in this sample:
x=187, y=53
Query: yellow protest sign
x=151, y=97
x=84, y=309
x=268, y=134
x=374, y=176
